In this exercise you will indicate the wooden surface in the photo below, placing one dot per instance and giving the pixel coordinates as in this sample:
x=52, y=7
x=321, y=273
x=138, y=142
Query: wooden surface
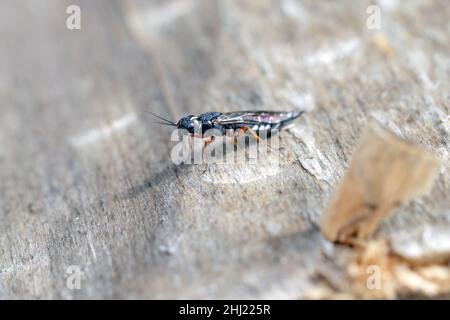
x=86, y=177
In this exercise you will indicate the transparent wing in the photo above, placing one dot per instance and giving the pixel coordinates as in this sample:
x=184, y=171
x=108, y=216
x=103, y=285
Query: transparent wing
x=256, y=117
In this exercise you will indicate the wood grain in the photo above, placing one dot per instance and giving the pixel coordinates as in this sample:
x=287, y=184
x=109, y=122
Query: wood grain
x=86, y=178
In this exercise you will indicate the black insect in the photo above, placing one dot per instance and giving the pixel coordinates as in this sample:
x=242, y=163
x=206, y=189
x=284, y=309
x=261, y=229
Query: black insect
x=251, y=121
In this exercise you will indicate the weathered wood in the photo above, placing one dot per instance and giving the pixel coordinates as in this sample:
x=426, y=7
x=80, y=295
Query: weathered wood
x=86, y=178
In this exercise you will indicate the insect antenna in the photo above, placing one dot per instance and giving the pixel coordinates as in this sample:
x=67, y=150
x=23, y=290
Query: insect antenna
x=166, y=121
x=166, y=124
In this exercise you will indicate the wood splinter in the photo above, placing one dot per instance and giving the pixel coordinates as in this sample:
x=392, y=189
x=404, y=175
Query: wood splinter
x=385, y=172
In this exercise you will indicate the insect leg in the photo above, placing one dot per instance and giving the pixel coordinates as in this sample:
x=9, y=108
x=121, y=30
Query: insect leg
x=256, y=136
x=230, y=134
x=194, y=145
x=239, y=133
x=253, y=133
x=207, y=142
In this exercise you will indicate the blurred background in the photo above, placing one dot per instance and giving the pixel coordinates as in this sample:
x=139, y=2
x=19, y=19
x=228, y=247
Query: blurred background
x=86, y=178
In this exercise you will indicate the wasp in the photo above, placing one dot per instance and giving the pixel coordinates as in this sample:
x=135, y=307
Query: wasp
x=230, y=122
x=233, y=124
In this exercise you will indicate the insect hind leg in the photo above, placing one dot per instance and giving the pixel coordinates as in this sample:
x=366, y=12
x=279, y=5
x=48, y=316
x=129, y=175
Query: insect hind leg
x=258, y=137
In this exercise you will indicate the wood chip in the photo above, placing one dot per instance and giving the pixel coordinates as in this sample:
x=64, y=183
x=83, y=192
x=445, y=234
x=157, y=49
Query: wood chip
x=385, y=171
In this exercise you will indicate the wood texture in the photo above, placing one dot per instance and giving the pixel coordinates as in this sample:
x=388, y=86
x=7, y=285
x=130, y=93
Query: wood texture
x=86, y=178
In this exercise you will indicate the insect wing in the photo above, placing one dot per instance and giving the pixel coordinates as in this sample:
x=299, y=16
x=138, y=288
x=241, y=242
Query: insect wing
x=256, y=117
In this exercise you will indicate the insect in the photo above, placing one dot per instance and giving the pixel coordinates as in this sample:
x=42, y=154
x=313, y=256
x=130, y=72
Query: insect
x=230, y=122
